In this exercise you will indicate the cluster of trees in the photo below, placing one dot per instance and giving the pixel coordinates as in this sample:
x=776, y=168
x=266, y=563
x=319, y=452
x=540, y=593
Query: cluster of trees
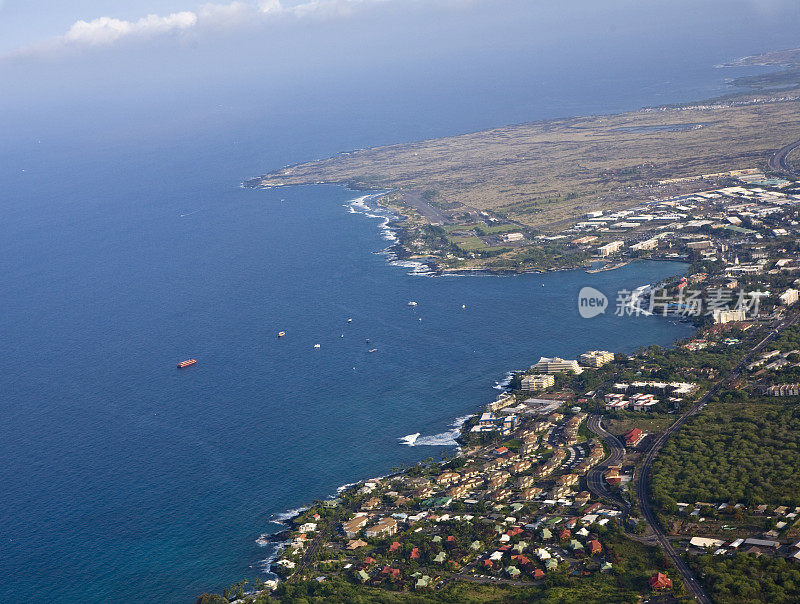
x=788, y=340
x=737, y=453
x=674, y=363
x=743, y=578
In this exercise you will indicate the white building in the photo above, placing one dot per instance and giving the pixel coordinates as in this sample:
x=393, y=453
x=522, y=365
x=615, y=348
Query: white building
x=727, y=316
x=596, y=358
x=610, y=248
x=556, y=365
x=538, y=381
x=508, y=237
x=649, y=244
x=788, y=297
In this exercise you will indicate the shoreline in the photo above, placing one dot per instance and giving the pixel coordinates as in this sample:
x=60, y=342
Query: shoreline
x=461, y=425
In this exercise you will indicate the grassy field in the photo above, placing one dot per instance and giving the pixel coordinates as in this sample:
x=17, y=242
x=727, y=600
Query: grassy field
x=541, y=174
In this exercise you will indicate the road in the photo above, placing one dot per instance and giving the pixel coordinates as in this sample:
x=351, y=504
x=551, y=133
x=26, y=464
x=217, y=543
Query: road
x=778, y=161
x=643, y=472
x=594, y=478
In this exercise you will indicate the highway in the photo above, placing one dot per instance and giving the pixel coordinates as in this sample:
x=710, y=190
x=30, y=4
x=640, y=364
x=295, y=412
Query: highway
x=778, y=161
x=643, y=472
x=594, y=478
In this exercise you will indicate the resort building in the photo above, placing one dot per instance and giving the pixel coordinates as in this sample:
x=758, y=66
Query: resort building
x=539, y=381
x=384, y=527
x=504, y=400
x=556, y=365
x=610, y=248
x=727, y=316
x=784, y=390
x=354, y=525
x=596, y=358
x=649, y=244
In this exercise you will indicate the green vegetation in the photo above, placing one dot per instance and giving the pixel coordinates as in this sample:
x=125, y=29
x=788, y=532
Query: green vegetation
x=633, y=564
x=743, y=578
x=733, y=452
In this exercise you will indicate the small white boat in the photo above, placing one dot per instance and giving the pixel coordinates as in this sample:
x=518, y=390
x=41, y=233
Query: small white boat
x=317, y=346
x=412, y=303
x=463, y=306
x=349, y=320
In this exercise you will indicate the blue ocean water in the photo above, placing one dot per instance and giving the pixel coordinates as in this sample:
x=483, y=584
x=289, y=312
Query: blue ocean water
x=128, y=245
x=140, y=478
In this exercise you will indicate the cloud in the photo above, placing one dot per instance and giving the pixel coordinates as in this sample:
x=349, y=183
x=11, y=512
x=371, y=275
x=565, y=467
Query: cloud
x=106, y=31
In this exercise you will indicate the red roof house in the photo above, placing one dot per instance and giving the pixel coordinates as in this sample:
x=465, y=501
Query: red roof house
x=415, y=553
x=660, y=581
x=394, y=546
x=538, y=574
x=595, y=547
x=633, y=438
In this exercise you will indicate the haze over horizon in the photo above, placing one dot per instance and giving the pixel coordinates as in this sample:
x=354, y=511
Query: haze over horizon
x=174, y=59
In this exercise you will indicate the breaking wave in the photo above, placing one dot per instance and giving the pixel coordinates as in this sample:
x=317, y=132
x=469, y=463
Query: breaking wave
x=443, y=439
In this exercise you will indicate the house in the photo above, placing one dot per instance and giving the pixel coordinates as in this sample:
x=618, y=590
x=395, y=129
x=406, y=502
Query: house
x=392, y=573
x=355, y=544
x=385, y=526
x=594, y=547
x=446, y=478
x=440, y=558
x=612, y=475
x=354, y=525
x=538, y=574
x=414, y=554
x=371, y=504
x=394, y=546
x=362, y=576
x=531, y=493
x=633, y=437
x=660, y=581
x=704, y=542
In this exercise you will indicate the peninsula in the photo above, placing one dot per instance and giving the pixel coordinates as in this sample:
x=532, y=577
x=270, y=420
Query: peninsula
x=509, y=199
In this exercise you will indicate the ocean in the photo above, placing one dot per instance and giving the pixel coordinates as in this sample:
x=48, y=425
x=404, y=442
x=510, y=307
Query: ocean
x=131, y=246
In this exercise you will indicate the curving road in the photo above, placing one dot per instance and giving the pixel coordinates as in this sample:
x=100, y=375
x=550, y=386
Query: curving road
x=641, y=479
x=594, y=478
x=778, y=161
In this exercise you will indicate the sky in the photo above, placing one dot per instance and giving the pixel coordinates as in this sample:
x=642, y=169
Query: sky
x=114, y=58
